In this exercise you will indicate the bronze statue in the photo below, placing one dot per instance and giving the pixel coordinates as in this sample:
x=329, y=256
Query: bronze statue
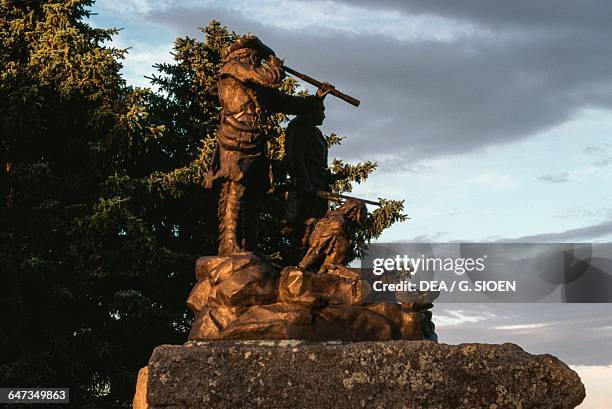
x=248, y=90
x=242, y=295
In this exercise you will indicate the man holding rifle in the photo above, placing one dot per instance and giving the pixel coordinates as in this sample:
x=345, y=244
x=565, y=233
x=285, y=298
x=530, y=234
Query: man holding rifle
x=248, y=90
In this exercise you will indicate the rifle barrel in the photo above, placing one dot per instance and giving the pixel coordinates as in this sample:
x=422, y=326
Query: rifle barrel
x=334, y=92
x=336, y=196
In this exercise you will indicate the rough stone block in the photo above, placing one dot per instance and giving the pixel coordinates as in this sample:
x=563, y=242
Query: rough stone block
x=378, y=375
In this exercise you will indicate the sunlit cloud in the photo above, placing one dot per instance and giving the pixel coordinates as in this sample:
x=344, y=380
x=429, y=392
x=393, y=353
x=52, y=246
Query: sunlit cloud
x=457, y=317
x=520, y=326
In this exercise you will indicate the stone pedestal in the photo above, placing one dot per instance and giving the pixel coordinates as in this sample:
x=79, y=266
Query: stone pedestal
x=343, y=375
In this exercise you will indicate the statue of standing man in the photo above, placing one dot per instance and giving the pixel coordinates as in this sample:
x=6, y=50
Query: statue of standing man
x=306, y=157
x=248, y=90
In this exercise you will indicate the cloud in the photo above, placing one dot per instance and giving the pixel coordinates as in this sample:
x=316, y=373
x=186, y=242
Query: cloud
x=589, y=14
x=598, y=166
x=506, y=80
x=582, y=234
x=558, y=178
x=140, y=60
x=597, y=150
x=521, y=326
x=458, y=317
x=585, y=213
x=579, y=175
x=578, y=334
x=132, y=6
x=427, y=238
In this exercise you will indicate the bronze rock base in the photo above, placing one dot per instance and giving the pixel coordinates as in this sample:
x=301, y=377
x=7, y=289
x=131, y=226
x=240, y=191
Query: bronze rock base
x=246, y=297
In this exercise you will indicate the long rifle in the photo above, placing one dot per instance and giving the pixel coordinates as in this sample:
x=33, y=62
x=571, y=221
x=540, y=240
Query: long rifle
x=316, y=83
x=335, y=197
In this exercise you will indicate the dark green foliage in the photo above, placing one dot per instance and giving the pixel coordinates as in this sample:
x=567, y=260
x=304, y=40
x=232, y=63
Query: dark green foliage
x=102, y=213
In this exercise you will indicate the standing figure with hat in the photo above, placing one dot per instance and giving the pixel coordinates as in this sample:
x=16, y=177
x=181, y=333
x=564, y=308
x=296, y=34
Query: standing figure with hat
x=248, y=90
x=306, y=157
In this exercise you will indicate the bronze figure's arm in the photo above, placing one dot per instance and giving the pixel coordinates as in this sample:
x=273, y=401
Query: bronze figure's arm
x=278, y=101
x=268, y=76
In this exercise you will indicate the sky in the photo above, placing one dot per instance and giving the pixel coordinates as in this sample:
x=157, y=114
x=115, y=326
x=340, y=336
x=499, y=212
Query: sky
x=492, y=120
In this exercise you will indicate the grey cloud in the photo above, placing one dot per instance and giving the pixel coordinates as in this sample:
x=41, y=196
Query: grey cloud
x=582, y=234
x=592, y=150
x=541, y=14
x=558, y=178
x=601, y=152
x=579, y=334
x=426, y=98
x=603, y=162
x=583, y=213
x=427, y=238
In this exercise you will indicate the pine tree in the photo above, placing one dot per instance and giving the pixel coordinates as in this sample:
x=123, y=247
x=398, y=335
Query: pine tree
x=72, y=297
x=102, y=210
